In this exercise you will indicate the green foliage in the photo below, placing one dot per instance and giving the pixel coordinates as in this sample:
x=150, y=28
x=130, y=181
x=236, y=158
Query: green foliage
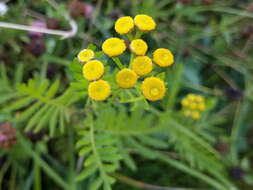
x=37, y=104
x=193, y=148
x=101, y=156
x=213, y=57
x=138, y=122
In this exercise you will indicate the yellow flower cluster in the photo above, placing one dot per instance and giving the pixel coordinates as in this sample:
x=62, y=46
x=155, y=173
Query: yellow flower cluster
x=193, y=105
x=152, y=87
x=93, y=70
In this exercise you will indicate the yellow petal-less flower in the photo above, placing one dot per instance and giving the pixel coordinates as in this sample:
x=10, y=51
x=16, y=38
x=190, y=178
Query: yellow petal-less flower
x=153, y=88
x=185, y=102
x=99, y=90
x=193, y=105
x=163, y=57
x=195, y=115
x=126, y=78
x=85, y=55
x=139, y=47
x=201, y=107
x=199, y=98
x=113, y=47
x=144, y=22
x=191, y=97
x=93, y=70
x=124, y=25
x=142, y=65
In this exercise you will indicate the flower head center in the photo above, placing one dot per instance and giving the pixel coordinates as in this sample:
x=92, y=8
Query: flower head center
x=165, y=56
x=154, y=91
x=128, y=78
x=99, y=89
x=142, y=66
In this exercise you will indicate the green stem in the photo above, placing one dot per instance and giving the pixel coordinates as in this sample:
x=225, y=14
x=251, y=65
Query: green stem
x=13, y=178
x=118, y=62
x=128, y=180
x=71, y=148
x=142, y=185
x=132, y=100
x=195, y=173
x=203, y=89
x=173, y=91
x=37, y=178
x=138, y=34
x=147, y=107
x=241, y=112
x=131, y=60
x=130, y=36
x=3, y=171
x=94, y=149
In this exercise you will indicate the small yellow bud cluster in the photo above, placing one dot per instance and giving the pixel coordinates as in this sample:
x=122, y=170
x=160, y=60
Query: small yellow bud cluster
x=152, y=87
x=193, y=105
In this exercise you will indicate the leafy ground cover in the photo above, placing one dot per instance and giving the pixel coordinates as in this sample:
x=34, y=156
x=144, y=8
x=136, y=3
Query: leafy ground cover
x=51, y=134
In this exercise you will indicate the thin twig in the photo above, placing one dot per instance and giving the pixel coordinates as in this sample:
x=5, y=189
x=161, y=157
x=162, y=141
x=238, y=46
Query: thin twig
x=142, y=185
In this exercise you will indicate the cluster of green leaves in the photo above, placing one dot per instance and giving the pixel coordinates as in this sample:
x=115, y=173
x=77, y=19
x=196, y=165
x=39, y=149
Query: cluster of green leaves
x=148, y=134
x=101, y=156
x=36, y=104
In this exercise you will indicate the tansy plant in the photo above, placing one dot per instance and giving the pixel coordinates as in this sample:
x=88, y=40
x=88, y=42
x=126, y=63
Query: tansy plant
x=118, y=105
x=122, y=81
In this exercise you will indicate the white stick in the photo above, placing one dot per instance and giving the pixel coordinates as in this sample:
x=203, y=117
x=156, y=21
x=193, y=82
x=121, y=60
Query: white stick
x=64, y=34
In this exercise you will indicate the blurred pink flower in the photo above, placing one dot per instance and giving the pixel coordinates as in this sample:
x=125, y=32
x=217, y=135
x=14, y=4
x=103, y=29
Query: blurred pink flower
x=39, y=24
x=3, y=138
x=88, y=10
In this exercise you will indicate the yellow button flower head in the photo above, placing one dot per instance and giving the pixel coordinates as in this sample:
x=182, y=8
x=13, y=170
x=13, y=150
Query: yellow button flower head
x=113, y=47
x=124, y=25
x=142, y=65
x=99, y=90
x=192, y=97
x=185, y=102
x=199, y=98
x=201, y=107
x=144, y=22
x=193, y=105
x=153, y=88
x=139, y=47
x=126, y=78
x=163, y=57
x=85, y=55
x=93, y=70
x=195, y=115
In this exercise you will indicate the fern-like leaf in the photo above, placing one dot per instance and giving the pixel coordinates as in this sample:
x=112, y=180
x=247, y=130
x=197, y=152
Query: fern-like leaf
x=38, y=106
x=102, y=156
